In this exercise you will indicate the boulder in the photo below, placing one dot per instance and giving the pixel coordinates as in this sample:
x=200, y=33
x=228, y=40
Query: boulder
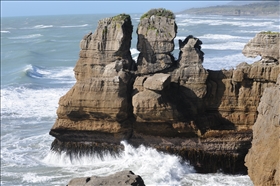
x=123, y=178
x=157, y=82
x=263, y=159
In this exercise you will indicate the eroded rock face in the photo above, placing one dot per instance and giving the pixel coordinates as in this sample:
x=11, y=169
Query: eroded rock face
x=265, y=45
x=100, y=100
x=190, y=73
x=124, y=178
x=167, y=104
x=263, y=159
x=236, y=94
x=156, y=33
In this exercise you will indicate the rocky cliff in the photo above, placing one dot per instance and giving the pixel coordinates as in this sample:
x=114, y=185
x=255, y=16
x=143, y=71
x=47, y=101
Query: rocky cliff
x=176, y=106
x=263, y=159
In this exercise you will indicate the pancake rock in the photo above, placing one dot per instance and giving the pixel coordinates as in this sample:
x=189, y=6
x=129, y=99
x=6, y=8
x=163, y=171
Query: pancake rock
x=156, y=32
x=99, y=104
x=264, y=44
x=175, y=106
x=263, y=159
x=166, y=103
x=124, y=178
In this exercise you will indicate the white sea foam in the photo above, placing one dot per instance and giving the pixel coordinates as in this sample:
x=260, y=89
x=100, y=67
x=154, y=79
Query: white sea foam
x=226, y=62
x=22, y=102
x=42, y=26
x=224, y=46
x=30, y=36
x=5, y=31
x=74, y=26
x=58, y=73
x=218, y=22
x=249, y=31
x=35, y=178
x=155, y=168
x=217, y=179
x=134, y=51
x=222, y=37
x=37, y=27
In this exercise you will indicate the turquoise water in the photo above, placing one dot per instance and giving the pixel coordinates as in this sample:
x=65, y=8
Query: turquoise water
x=38, y=55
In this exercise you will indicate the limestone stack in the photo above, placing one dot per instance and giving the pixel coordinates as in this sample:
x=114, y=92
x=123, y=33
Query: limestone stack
x=156, y=32
x=99, y=103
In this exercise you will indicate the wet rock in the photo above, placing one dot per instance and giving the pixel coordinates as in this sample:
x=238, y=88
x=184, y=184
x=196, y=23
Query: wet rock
x=123, y=178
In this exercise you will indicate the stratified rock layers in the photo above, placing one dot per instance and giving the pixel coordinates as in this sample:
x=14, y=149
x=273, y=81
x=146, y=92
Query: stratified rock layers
x=100, y=101
x=266, y=45
x=175, y=106
x=263, y=159
x=155, y=42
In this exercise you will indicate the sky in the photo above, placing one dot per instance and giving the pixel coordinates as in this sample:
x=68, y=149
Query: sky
x=37, y=8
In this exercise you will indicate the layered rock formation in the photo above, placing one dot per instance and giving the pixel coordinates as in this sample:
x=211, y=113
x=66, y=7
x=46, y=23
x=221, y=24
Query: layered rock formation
x=156, y=32
x=176, y=106
x=98, y=107
x=124, y=178
x=266, y=45
x=263, y=159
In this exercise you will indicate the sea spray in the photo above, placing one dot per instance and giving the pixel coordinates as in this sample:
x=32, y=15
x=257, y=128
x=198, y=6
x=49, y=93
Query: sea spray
x=156, y=168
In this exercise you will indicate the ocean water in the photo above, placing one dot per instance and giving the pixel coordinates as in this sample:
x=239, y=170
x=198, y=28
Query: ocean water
x=38, y=55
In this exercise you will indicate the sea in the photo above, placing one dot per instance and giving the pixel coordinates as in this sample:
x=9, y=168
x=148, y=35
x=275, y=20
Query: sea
x=38, y=54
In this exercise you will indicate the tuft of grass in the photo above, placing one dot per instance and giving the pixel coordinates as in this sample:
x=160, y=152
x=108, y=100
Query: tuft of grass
x=121, y=17
x=269, y=32
x=159, y=12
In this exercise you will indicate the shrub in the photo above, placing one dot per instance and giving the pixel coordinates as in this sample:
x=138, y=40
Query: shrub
x=121, y=17
x=159, y=12
x=269, y=32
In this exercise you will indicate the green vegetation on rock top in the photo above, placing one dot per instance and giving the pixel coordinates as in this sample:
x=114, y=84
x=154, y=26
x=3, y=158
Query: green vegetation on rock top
x=269, y=32
x=121, y=17
x=159, y=12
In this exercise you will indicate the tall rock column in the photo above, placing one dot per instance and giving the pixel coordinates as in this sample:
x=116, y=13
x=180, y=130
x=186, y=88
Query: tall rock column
x=98, y=107
x=156, y=32
x=263, y=159
x=190, y=74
